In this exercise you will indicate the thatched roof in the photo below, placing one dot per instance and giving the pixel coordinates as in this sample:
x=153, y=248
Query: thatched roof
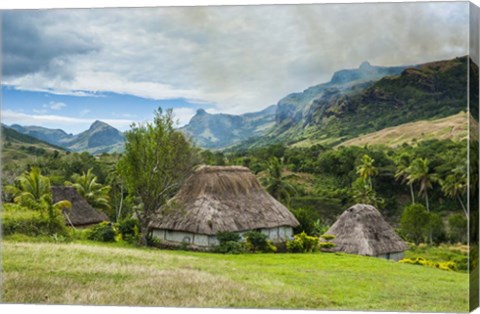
x=81, y=213
x=362, y=230
x=217, y=199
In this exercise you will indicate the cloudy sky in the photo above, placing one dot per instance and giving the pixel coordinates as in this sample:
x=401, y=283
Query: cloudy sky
x=66, y=68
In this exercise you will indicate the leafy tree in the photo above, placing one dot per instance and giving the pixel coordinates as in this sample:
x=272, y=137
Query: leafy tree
x=414, y=222
x=95, y=193
x=455, y=186
x=436, y=228
x=156, y=160
x=275, y=183
x=363, y=191
x=366, y=169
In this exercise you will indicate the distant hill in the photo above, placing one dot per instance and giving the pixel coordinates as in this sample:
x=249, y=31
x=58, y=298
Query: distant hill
x=216, y=131
x=99, y=138
x=17, y=146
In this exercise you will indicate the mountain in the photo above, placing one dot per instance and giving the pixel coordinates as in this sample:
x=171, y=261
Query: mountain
x=358, y=102
x=53, y=136
x=99, y=138
x=216, y=131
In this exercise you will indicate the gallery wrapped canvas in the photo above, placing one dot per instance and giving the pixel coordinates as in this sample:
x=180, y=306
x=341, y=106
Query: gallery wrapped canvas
x=307, y=156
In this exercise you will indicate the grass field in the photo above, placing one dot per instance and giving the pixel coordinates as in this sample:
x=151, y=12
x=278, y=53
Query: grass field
x=91, y=273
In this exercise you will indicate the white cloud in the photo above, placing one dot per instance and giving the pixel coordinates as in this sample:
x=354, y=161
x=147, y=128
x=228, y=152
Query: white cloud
x=240, y=59
x=56, y=105
x=183, y=115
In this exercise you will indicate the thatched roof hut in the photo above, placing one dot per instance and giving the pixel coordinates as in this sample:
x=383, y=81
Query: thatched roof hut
x=81, y=213
x=215, y=199
x=362, y=230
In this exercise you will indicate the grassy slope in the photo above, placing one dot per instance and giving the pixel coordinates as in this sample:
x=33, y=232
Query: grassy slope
x=100, y=274
x=453, y=127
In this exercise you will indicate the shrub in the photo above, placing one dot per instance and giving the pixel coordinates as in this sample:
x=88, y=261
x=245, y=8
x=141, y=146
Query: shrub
x=450, y=265
x=302, y=243
x=415, y=222
x=230, y=247
x=326, y=245
x=328, y=237
x=257, y=242
x=102, y=232
x=457, y=224
x=128, y=229
x=229, y=243
x=31, y=223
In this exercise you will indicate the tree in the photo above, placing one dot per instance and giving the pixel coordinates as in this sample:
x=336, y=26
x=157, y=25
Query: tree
x=403, y=171
x=414, y=222
x=455, y=186
x=362, y=187
x=156, y=160
x=95, y=193
x=420, y=172
x=275, y=183
x=33, y=191
x=457, y=227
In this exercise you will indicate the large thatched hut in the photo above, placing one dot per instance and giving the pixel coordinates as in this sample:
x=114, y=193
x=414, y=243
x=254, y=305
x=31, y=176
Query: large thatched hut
x=215, y=199
x=82, y=214
x=362, y=230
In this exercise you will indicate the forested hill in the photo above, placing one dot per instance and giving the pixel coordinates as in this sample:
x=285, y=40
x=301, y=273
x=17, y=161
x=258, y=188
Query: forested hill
x=425, y=92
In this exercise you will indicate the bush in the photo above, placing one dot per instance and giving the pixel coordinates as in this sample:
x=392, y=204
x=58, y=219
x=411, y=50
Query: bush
x=302, y=243
x=229, y=243
x=415, y=222
x=128, y=229
x=328, y=237
x=450, y=265
x=31, y=223
x=230, y=247
x=102, y=232
x=457, y=225
x=257, y=242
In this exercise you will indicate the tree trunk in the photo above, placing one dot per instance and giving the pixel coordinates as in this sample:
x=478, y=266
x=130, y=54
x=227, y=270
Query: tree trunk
x=430, y=240
x=412, y=194
x=463, y=206
x=144, y=235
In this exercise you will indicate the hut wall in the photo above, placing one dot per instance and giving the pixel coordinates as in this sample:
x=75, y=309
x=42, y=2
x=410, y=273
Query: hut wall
x=278, y=234
x=396, y=256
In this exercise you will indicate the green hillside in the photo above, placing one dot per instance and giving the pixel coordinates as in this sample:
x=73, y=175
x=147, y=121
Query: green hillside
x=17, y=147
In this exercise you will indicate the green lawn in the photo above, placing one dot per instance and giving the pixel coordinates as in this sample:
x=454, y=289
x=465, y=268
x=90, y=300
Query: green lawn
x=90, y=273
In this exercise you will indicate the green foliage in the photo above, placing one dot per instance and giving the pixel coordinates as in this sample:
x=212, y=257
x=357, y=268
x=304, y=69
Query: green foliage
x=309, y=220
x=275, y=183
x=102, y=232
x=229, y=243
x=31, y=222
x=302, y=243
x=414, y=222
x=227, y=236
x=328, y=236
x=129, y=228
x=257, y=242
x=450, y=265
x=95, y=193
x=156, y=160
x=436, y=228
x=457, y=225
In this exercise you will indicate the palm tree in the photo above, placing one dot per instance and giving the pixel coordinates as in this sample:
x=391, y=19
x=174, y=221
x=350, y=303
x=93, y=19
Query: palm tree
x=95, y=193
x=455, y=185
x=275, y=183
x=31, y=188
x=33, y=191
x=421, y=173
x=367, y=170
x=403, y=171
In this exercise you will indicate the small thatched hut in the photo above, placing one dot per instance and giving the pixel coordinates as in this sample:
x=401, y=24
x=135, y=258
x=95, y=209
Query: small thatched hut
x=362, y=230
x=215, y=199
x=82, y=214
